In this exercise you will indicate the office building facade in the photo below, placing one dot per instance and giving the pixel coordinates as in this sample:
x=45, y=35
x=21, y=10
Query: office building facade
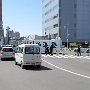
x=50, y=15
x=66, y=19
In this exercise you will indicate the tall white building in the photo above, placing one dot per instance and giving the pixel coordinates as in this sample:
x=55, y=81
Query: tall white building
x=60, y=16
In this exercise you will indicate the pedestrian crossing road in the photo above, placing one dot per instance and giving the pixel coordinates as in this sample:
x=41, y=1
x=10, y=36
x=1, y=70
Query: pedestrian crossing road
x=67, y=56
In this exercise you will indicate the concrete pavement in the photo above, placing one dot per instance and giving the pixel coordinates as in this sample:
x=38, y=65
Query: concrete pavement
x=51, y=76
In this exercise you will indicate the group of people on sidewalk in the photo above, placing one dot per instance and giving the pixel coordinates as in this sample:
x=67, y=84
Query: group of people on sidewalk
x=49, y=50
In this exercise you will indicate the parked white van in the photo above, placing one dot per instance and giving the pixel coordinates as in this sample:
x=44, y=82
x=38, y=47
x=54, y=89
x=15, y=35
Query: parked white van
x=28, y=54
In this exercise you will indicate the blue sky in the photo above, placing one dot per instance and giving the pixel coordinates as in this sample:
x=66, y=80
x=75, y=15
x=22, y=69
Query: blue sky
x=24, y=16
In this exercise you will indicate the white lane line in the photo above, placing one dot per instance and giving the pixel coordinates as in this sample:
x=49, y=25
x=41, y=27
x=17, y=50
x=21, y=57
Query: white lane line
x=50, y=56
x=57, y=56
x=60, y=56
x=67, y=56
x=44, y=56
x=70, y=56
x=66, y=70
x=86, y=57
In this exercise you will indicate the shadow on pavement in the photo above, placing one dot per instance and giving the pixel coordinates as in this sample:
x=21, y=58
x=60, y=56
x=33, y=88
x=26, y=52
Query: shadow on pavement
x=8, y=59
x=34, y=68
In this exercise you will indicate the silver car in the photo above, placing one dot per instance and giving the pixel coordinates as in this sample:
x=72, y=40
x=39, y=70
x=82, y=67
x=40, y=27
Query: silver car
x=7, y=52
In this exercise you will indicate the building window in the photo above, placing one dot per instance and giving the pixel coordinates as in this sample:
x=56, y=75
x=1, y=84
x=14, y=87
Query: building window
x=55, y=25
x=51, y=9
x=55, y=16
x=47, y=4
x=47, y=20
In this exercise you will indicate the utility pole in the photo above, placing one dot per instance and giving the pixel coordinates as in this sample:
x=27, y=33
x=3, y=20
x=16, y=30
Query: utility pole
x=66, y=27
x=67, y=37
x=8, y=28
x=45, y=36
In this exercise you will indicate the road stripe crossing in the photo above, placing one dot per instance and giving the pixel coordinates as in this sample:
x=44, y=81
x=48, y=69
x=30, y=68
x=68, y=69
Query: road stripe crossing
x=67, y=56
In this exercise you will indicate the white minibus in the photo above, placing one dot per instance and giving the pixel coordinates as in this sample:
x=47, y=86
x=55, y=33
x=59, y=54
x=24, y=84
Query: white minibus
x=28, y=54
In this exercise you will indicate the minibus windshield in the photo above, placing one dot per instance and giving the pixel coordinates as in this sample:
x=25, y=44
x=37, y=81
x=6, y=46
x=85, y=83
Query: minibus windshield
x=32, y=50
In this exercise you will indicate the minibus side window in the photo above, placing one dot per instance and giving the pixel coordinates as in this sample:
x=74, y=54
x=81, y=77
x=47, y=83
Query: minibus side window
x=20, y=50
x=37, y=50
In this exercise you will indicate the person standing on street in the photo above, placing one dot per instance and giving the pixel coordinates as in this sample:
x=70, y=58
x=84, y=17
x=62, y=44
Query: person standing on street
x=46, y=49
x=51, y=48
x=79, y=51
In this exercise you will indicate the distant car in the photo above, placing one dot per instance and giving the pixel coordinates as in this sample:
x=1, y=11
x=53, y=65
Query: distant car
x=7, y=52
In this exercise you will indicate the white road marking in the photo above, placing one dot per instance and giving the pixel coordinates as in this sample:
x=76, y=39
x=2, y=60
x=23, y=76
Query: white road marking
x=61, y=56
x=67, y=56
x=66, y=70
x=44, y=56
x=87, y=57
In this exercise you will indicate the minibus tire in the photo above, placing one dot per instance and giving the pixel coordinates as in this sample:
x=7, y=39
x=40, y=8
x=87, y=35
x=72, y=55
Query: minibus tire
x=15, y=63
x=38, y=66
x=22, y=66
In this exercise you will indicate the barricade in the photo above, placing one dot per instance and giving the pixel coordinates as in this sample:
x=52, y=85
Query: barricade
x=69, y=51
x=60, y=51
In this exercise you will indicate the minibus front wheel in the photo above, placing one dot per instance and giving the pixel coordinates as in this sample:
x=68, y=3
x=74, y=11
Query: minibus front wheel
x=15, y=62
x=38, y=66
x=22, y=66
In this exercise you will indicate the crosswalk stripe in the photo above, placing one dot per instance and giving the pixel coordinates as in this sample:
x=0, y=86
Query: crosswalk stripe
x=67, y=56
x=63, y=56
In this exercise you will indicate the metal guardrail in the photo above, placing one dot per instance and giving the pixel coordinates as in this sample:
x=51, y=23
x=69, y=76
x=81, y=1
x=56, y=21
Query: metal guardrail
x=65, y=51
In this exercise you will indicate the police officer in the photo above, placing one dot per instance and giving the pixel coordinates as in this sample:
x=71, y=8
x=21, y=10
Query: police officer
x=79, y=50
x=46, y=49
x=51, y=48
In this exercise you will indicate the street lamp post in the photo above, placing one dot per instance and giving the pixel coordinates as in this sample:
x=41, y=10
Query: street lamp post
x=7, y=34
x=45, y=36
x=67, y=37
x=66, y=27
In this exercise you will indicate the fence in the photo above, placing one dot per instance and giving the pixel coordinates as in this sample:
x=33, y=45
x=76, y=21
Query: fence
x=70, y=51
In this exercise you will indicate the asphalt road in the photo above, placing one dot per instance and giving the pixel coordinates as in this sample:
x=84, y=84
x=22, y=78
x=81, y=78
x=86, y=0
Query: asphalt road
x=55, y=74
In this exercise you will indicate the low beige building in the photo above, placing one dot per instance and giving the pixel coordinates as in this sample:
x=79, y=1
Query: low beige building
x=36, y=37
